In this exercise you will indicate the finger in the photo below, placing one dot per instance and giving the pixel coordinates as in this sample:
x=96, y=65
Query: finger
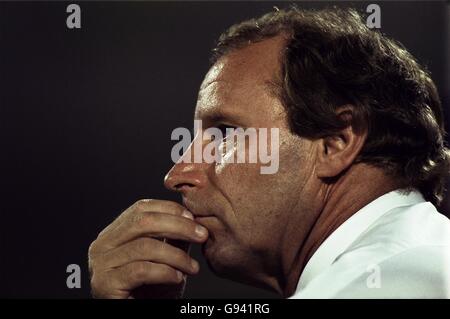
x=133, y=275
x=149, y=249
x=147, y=205
x=157, y=225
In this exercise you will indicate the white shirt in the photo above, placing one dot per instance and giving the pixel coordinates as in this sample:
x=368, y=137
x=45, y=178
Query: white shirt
x=397, y=246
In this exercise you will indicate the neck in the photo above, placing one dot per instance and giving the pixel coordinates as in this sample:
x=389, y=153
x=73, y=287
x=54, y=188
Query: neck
x=338, y=202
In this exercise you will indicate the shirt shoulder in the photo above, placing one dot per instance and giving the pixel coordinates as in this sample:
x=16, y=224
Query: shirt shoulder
x=418, y=272
x=397, y=231
x=404, y=254
x=406, y=227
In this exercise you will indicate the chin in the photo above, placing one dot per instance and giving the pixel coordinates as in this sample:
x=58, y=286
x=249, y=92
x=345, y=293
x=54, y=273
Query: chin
x=226, y=260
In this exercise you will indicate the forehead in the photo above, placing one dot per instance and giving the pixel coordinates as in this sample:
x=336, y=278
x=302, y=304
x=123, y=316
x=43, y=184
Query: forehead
x=242, y=82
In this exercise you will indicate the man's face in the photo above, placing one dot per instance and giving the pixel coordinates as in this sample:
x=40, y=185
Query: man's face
x=249, y=215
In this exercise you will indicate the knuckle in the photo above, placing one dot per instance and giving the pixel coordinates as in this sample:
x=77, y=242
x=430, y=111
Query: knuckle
x=180, y=256
x=96, y=286
x=167, y=272
x=164, y=271
x=135, y=219
x=149, y=219
x=91, y=265
x=142, y=203
x=94, y=283
x=175, y=207
x=95, y=263
x=98, y=247
x=160, y=247
x=142, y=244
x=163, y=249
x=101, y=287
x=92, y=250
x=144, y=220
x=139, y=271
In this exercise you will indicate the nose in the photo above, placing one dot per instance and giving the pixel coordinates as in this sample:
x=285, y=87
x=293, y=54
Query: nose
x=186, y=175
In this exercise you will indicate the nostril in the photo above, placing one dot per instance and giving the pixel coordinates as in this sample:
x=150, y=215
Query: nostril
x=183, y=186
x=184, y=177
x=171, y=182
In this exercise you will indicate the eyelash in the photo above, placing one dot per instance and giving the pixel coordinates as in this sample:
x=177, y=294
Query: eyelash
x=223, y=128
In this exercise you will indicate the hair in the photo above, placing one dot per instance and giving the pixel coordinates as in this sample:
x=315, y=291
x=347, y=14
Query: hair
x=331, y=59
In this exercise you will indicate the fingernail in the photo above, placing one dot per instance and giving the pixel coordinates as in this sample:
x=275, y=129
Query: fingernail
x=200, y=231
x=187, y=214
x=179, y=275
x=194, y=264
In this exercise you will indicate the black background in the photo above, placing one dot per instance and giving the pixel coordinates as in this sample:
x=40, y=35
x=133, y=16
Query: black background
x=86, y=117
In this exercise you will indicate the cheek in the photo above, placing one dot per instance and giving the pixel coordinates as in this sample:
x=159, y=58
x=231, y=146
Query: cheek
x=235, y=180
x=237, y=183
x=259, y=205
x=242, y=182
x=256, y=202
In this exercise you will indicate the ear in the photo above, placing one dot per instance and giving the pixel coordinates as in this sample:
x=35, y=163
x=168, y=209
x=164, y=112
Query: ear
x=337, y=152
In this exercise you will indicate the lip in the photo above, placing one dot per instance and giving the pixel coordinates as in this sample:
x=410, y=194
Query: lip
x=192, y=208
x=200, y=218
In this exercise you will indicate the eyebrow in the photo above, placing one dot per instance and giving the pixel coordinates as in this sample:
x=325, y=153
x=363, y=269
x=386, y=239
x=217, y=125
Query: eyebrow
x=218, y=116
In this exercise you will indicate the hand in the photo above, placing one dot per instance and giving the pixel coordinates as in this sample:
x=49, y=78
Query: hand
x=128, y=259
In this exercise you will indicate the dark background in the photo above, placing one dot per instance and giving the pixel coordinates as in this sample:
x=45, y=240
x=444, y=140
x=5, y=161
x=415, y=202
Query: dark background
x=86, y=117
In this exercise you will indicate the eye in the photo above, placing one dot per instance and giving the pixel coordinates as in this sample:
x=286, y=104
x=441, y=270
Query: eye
x=223, y=129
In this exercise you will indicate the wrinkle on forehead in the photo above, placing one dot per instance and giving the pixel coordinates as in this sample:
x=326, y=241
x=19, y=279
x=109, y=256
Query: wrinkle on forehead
x=230, y=100
x=212, y=97
x=243, y=77
x=258, y=62
x=213, y=75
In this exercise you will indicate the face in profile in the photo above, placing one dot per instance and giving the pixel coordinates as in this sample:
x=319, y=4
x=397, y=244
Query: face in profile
x=248, y=214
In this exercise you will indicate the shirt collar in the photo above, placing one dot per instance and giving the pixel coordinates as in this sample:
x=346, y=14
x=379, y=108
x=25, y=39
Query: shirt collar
x=349, y=231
